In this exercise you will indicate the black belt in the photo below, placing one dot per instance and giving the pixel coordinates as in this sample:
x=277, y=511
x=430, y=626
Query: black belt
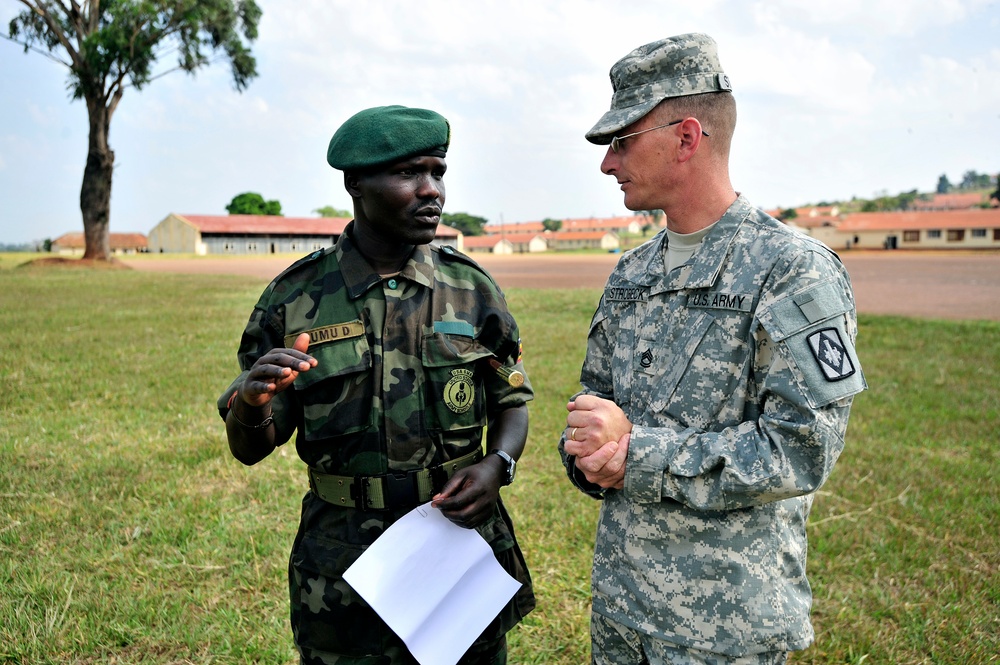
x=390, y=491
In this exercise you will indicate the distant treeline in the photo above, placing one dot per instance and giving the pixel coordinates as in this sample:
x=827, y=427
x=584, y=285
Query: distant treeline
x=885, y=202
x=40, y=246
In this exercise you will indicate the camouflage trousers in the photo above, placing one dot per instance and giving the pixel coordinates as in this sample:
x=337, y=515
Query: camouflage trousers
x=615, y=644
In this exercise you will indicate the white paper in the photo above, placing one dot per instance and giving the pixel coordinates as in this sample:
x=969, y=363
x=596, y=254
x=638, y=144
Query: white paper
x=434, y=583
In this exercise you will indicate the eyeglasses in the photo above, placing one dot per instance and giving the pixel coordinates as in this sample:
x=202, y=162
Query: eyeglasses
x=616, y=141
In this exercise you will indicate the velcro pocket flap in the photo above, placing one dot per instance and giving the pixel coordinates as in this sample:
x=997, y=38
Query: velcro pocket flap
x=806, y=308
x=339, y=358
x=442, y=350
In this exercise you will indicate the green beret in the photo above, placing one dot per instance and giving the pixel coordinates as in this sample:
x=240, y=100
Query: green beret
x=387, y=134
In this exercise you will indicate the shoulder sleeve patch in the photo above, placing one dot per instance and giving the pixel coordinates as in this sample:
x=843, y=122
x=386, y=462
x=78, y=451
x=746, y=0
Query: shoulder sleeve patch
x=810, y=329
x=831, y=355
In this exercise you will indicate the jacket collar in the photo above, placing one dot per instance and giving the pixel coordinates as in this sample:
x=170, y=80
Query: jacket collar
x=702, y=269
x=359, y=276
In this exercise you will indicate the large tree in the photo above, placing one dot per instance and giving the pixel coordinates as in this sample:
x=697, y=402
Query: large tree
x=973, y=180
x=943, y=185
x=470, y=225
x=252, y=203
x=111, y=45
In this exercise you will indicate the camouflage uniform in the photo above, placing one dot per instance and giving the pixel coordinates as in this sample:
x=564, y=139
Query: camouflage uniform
x=403, y=383
x=737, y=370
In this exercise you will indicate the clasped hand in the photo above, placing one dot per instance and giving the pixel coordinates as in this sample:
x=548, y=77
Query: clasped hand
x=597, y=434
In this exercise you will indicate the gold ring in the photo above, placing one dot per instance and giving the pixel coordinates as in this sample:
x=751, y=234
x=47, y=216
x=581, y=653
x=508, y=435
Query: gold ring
x=572, y=434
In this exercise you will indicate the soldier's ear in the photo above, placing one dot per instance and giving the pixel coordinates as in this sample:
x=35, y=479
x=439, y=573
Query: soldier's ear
x=352, y=183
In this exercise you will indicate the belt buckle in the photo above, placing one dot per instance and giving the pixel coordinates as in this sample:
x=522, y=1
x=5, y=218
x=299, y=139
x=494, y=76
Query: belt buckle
x=359, y=492
x=400, y=489
x=439, y=476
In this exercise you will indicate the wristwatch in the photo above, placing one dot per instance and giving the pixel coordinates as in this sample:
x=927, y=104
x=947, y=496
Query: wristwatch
x=511, y=465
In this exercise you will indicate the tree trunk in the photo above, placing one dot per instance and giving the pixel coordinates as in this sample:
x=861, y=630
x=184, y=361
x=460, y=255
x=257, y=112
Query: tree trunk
x=95, y=193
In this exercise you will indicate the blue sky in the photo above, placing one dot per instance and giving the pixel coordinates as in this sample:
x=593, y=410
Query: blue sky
x=836, y=98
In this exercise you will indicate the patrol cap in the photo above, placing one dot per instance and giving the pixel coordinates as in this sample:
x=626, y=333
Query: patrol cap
x=672, y=67
x=386, y=134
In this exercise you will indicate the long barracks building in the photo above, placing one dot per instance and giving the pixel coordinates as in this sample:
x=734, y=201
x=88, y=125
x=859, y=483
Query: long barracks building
x=976, y=228
x=257, y=234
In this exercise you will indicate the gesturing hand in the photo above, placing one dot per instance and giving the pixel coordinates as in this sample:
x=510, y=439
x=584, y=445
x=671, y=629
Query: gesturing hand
x=275, y=371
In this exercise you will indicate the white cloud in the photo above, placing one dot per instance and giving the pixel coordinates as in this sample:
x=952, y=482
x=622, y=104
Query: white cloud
x=812, y=70
x=959, y=89
x=879, y=17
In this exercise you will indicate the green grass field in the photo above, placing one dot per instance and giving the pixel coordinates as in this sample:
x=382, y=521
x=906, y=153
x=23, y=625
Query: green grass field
x=129, y=535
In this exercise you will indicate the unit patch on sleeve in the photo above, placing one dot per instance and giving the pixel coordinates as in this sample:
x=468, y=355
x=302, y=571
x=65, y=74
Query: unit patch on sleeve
x=829, y=351
x=459, y=392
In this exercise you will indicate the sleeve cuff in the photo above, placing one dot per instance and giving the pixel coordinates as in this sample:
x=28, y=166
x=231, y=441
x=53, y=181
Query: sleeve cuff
x=581, y=482
x=648, y=452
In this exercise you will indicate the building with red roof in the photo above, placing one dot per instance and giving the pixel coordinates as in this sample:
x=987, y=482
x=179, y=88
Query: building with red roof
x=974, y=228
x=258, y=234
x=953, y=201
x=73, y=243
x=509, y=243
x=520, y=227
x=583, y=233
x=633, y=224
x=583, y=240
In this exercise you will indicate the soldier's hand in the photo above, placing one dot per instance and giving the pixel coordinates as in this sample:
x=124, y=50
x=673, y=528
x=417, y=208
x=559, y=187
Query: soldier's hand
x=275, y=371
x=591, y=423
x=606, y=466
x=469, y=497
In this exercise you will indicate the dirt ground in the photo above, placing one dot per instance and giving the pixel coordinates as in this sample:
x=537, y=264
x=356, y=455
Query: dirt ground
x=941, y=285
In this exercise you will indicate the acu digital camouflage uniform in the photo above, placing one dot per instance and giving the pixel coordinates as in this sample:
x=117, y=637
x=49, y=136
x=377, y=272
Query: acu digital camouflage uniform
x=402, y=383
x=737, y=370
